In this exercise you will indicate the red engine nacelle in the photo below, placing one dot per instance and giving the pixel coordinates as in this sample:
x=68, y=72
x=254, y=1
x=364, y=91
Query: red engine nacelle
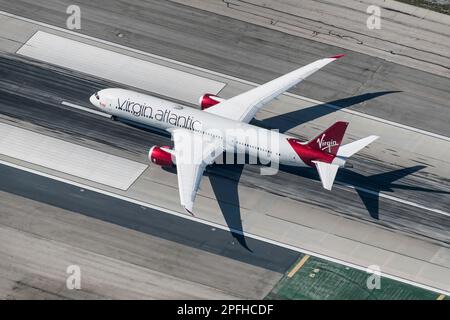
x=208, y=100
x=160, y=157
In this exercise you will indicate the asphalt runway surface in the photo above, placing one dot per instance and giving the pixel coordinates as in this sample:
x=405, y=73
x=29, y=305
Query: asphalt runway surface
x=224, y=45
x=124, y=252
x=32, y=93
x=153, y=222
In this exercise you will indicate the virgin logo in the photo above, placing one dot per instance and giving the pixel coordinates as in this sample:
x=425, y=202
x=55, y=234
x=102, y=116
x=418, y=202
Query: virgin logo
x=323, y=145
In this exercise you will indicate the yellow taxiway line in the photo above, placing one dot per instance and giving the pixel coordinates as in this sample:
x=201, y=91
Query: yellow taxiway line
x=298, y=266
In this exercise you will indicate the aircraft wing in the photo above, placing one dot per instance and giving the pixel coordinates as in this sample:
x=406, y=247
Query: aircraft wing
x=193, y=152
x=243, y=107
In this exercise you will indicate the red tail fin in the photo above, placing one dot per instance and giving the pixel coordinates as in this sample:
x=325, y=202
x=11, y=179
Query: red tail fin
x=330, y=140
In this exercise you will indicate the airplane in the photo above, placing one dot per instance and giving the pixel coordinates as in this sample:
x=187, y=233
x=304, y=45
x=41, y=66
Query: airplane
x=222, y=127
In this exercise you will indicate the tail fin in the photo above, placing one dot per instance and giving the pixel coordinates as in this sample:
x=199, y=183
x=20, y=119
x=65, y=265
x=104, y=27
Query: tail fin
x=327, y=171
x=329, y=140
x=350, y=149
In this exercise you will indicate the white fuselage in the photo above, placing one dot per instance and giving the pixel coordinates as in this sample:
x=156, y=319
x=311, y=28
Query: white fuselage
x=238, y=137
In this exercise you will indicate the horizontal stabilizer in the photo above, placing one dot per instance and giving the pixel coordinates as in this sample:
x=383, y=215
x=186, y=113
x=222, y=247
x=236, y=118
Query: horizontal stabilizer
x=350, y=149
x=327, y=173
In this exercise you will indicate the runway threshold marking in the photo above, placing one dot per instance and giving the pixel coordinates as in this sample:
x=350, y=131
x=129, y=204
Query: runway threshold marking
x=75, y=106
x=298, y=266
x=441, y=297
x=222, y=227
x=395, y=124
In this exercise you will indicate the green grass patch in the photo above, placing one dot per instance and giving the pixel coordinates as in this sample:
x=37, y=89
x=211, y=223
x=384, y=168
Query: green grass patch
x=322, y=280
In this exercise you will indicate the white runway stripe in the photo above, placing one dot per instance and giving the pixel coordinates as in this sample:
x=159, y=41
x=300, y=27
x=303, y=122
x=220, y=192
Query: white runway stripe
x=386, y=196
x=75, y=106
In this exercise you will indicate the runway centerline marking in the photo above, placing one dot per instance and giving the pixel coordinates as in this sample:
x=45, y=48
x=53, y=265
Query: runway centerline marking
x=222, y=227
x=75, y=106
x=386, y=196
x=298, y=266
x=367, y=116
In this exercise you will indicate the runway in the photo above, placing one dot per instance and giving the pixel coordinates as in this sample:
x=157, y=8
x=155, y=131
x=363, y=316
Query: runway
x=406, y=34
x=204, y=255
x=406, y=223
x=222, y=44
x=113, y=137
x=35, y=80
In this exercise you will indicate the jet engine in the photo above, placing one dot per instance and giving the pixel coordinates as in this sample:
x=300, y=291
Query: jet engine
x=158, y=155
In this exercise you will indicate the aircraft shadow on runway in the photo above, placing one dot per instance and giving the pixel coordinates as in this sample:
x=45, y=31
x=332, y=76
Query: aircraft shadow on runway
x=287, y=121
x=368, y=188
x=226, y=189
x=382, y=182
x=226, y=192
x=224, y=181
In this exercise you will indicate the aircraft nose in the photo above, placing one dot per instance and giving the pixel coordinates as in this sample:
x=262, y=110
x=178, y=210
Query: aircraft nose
x=95, y=100
x=92, y=99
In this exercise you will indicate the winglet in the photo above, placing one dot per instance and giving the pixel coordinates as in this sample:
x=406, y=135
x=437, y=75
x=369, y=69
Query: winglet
x=337, y=56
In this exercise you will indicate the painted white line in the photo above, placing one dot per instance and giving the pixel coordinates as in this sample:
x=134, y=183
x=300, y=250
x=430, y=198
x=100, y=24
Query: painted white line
x=399, y=125
x=219, y=226
x=386, y=196
x=75, y=106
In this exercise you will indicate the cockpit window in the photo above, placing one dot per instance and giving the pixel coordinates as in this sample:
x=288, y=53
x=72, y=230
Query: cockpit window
x=97, y=96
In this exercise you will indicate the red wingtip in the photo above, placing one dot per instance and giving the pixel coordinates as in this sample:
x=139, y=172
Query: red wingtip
x=337, y=56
